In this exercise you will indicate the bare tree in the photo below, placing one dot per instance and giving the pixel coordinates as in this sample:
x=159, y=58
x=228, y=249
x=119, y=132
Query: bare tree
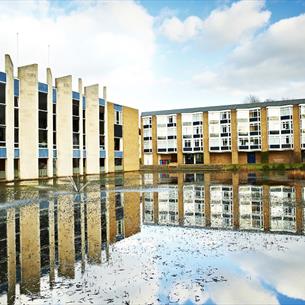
x=252, y=99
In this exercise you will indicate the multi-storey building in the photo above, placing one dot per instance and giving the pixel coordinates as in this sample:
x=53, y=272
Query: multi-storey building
x=47, y=129
x=271, y=131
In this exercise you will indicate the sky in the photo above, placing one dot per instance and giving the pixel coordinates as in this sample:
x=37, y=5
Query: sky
x=154, y=54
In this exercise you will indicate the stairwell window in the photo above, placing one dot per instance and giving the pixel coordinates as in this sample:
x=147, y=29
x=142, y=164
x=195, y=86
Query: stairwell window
x=118, y=117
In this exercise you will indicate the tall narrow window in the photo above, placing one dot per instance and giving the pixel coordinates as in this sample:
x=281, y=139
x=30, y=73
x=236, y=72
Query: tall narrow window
x=102, y=127
x=118, y=117
x=54, y=126
x=84, y=128
x=43, y=120
x=75, y=118
x=16, y=122
x=2, y=115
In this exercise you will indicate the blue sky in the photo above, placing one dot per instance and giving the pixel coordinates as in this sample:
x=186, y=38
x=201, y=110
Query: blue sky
x=164, y=54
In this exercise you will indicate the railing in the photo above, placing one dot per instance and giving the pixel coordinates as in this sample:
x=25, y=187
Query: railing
x=43, y=172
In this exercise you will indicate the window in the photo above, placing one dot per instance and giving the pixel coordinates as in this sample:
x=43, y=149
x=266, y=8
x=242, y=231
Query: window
x=42, y=120
x=117, y=144
x=102, y=126
x=118, y=117
x=187, y=143
x=76, y=123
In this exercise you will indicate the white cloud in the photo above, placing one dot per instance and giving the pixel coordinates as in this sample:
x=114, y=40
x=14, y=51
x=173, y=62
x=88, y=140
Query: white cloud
x=111, y=43
x=223, y=26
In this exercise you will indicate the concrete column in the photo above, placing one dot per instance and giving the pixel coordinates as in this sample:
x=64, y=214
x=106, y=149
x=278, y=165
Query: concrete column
x=299, y=208
x=94, y=227
x=179, y=139
x=180, y=199
x=11, y=256
x=80, y=90
x=92, y=129
x=9, y=115
x=207, y=199
x=111, y=217
x=234, y=144
x=142, y=142
x=206, y=153
x=131, y=160
x=132, y=213
x=28, y=121
x=30, y=248
x=110, y=137
x=64, y=126
x=235, y=184
x=296, y=134
x=266, y=207
x=51, y=243
x=66, y=246
x=156, y=198
x=264, y=132
x=154, y=140
x=50, y=123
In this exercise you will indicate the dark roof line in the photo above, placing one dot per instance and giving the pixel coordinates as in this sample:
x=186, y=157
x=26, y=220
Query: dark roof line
x=225, y=107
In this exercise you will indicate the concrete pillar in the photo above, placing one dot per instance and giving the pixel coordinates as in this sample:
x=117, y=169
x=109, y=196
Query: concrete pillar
x=180, y=199
x=179, y=139
x=9, y=115
x=299, y=209
x=154, y=140
x=30, y=248
x=156, y=199
x=92, y=129
x=132, y=213
x=234, y=144
x=142, y=142
x=51, y=243
x=131, y=160
x=296, y=134
x=206, y=145
x=64, y=126
x=110, y=137
x=80, y=90
x=28, y=121
x=264, y=134
x=50, y=123
x=66, y=246
x=94, y=227
x=111, y=217
x=235, y=185
x=11, y=256
x=266, y=207
x=207, y=199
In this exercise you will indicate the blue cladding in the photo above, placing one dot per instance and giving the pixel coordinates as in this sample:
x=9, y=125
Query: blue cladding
x=43, y=87
x=76, y=153
x=16, y=153
x=2, y=77
x=43, y=153
x=75, y=95
x=102, y=154
x=54, y=153
x=84, y=102
x=16, y=87
x=2, y=153
x=54, y=95
x=118, y=107
x=101, y=102
x=118, y=154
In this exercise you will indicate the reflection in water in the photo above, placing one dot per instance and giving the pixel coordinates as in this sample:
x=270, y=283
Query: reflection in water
x=58, y=241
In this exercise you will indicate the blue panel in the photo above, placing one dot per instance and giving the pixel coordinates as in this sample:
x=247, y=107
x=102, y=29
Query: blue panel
x=54, y=153
x=102, y=154
x=2, y=153
x=75, y=95
x=43, y=153
x=16, y=153
x=2, y=77
x=54, y=95
x=101, y=102
x=118, y=107
x=118, y=154
x=76, y=153
x=84, y=102
x=43, y=87
x=84, y=153
x=16, y=87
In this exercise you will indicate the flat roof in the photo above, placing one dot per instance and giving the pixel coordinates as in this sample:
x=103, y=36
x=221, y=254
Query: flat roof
x=225, y=107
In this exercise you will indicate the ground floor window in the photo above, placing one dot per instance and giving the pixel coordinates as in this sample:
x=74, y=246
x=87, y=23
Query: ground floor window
x=193, y=158
x=118, y=163
x=102, y=165
x=16, y=168
x=43, y=167
x=2, y=168
x=84, y=165
x=75, y=166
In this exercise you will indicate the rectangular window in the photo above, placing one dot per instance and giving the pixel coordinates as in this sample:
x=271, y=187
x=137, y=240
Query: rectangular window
x=117, y=144
x=76, y=124
x=42, y=120
x=118, y=117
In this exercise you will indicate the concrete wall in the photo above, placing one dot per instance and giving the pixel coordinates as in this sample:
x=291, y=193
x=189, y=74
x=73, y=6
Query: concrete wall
x=110, y=137
x=131, y=160
x=80, y=90
x=206, y=151
x=50, y=123
x=64, y=123
x=234, y=137
x=179, y=140
x=131, y=213
x=296, y=134
x=28, y=121
x=9, y=115
x=92, y=129
x=154, y=140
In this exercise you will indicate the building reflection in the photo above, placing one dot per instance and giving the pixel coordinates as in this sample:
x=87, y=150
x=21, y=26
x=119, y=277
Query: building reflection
x=55, y=233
